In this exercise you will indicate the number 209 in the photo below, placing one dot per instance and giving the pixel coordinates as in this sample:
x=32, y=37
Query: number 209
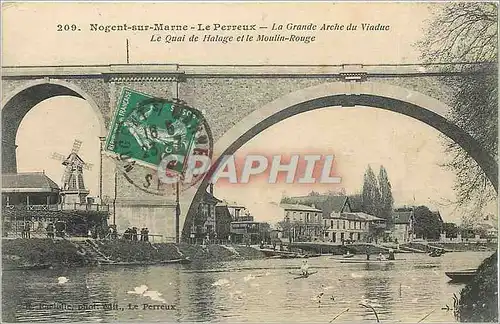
x=67, y=27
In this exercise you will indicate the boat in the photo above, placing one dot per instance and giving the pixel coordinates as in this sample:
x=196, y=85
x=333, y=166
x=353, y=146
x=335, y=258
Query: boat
x=462, y=276
x=301, y=276
x=288, y=256
x=371, y=261
x=347, y=256
x=435, y=254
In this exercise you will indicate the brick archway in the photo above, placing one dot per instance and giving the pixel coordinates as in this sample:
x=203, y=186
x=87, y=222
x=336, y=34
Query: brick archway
x=347, y=94
x=21, y=100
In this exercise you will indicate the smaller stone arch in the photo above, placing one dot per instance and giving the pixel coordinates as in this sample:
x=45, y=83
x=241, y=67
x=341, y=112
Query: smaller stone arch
x=21, y=100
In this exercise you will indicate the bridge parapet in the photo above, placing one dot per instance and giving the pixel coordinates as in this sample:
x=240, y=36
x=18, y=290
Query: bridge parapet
x=191, y=70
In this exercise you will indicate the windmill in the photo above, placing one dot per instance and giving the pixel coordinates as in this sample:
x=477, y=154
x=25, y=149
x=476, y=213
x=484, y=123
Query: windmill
x=73, y=186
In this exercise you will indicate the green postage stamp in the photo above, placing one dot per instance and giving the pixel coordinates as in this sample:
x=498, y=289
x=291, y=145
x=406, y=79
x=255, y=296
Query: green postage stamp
x=146, y=129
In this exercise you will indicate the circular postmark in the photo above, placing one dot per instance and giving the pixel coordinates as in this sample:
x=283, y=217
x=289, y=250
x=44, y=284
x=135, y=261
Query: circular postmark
x=160, y=144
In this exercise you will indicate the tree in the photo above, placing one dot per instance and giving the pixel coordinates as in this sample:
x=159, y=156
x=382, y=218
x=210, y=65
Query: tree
x=451, y=230
x=370, y=193
x=467, y=32
x=386, y=199
x=286, y=227
x=426, y=223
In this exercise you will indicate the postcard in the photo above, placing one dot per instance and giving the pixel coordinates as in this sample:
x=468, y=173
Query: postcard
x=264, y=162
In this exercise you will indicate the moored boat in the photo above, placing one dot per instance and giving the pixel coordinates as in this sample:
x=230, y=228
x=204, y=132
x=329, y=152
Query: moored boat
x=462, y=276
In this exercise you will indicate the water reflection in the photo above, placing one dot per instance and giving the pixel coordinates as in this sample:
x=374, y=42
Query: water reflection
x=256, y=291
x=378, y=294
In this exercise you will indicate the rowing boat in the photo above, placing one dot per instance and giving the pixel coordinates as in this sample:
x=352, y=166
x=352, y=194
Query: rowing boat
x=371, y=261
x=301, y=276
x=463, y=276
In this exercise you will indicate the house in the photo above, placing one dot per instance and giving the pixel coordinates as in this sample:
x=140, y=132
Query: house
x=249, y=232
x=29, y=189
x=326, y=203
x=32, y=199
x=402, y=220
x=303, y=222
x=223, y=221
x=348, y=226
x=204, y=224
x=237, y=211
x=335, y=219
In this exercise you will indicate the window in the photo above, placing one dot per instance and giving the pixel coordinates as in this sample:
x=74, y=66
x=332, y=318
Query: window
x=343, y=224
x=338, y=224
x=331, y=224
x=359, y=236
x=236, y=213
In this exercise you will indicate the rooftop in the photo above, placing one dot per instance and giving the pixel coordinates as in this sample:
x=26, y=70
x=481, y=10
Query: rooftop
x=28, y=182
x=360, y=217
x=232, y=204
x=327, y=203
x=299, y=207
x=401, y=217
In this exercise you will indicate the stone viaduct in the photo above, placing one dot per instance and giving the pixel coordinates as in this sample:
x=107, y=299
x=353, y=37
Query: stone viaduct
x=239, y=102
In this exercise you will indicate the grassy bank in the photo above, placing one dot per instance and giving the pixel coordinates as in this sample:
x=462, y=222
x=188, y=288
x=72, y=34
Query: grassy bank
x=40, y=253
x=137, y=251
x=479, y=299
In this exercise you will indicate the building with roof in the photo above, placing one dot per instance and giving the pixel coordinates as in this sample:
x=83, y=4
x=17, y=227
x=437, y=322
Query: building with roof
x=205, y=222
x=334, y=220
x=352, y=227
x=326, y=203
x=29, y=188
x=237, y=211
x=31, y=201
x=402, y=221
x=249, y=232
x=303, y=222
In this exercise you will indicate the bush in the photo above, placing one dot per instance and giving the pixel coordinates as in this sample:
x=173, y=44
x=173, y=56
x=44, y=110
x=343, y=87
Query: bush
x=479, y=299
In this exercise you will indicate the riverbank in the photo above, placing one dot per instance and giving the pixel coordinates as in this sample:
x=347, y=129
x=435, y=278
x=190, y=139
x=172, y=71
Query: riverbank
x=47, y=253
x=479, y=299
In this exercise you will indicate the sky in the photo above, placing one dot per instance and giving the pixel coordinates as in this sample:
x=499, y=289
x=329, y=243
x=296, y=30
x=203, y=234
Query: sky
x=411, y=152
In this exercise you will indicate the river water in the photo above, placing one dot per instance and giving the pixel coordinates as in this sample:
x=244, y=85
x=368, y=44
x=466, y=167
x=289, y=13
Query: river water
x=241, y=291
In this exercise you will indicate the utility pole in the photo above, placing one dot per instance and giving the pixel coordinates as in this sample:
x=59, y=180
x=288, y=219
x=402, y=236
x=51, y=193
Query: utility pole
x=177, y=212
x=114, y=202
x=101, y=142
x=128, y=56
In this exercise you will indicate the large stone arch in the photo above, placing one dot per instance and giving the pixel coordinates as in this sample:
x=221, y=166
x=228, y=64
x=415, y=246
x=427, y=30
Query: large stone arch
x=20, y=101
x=347, y=94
